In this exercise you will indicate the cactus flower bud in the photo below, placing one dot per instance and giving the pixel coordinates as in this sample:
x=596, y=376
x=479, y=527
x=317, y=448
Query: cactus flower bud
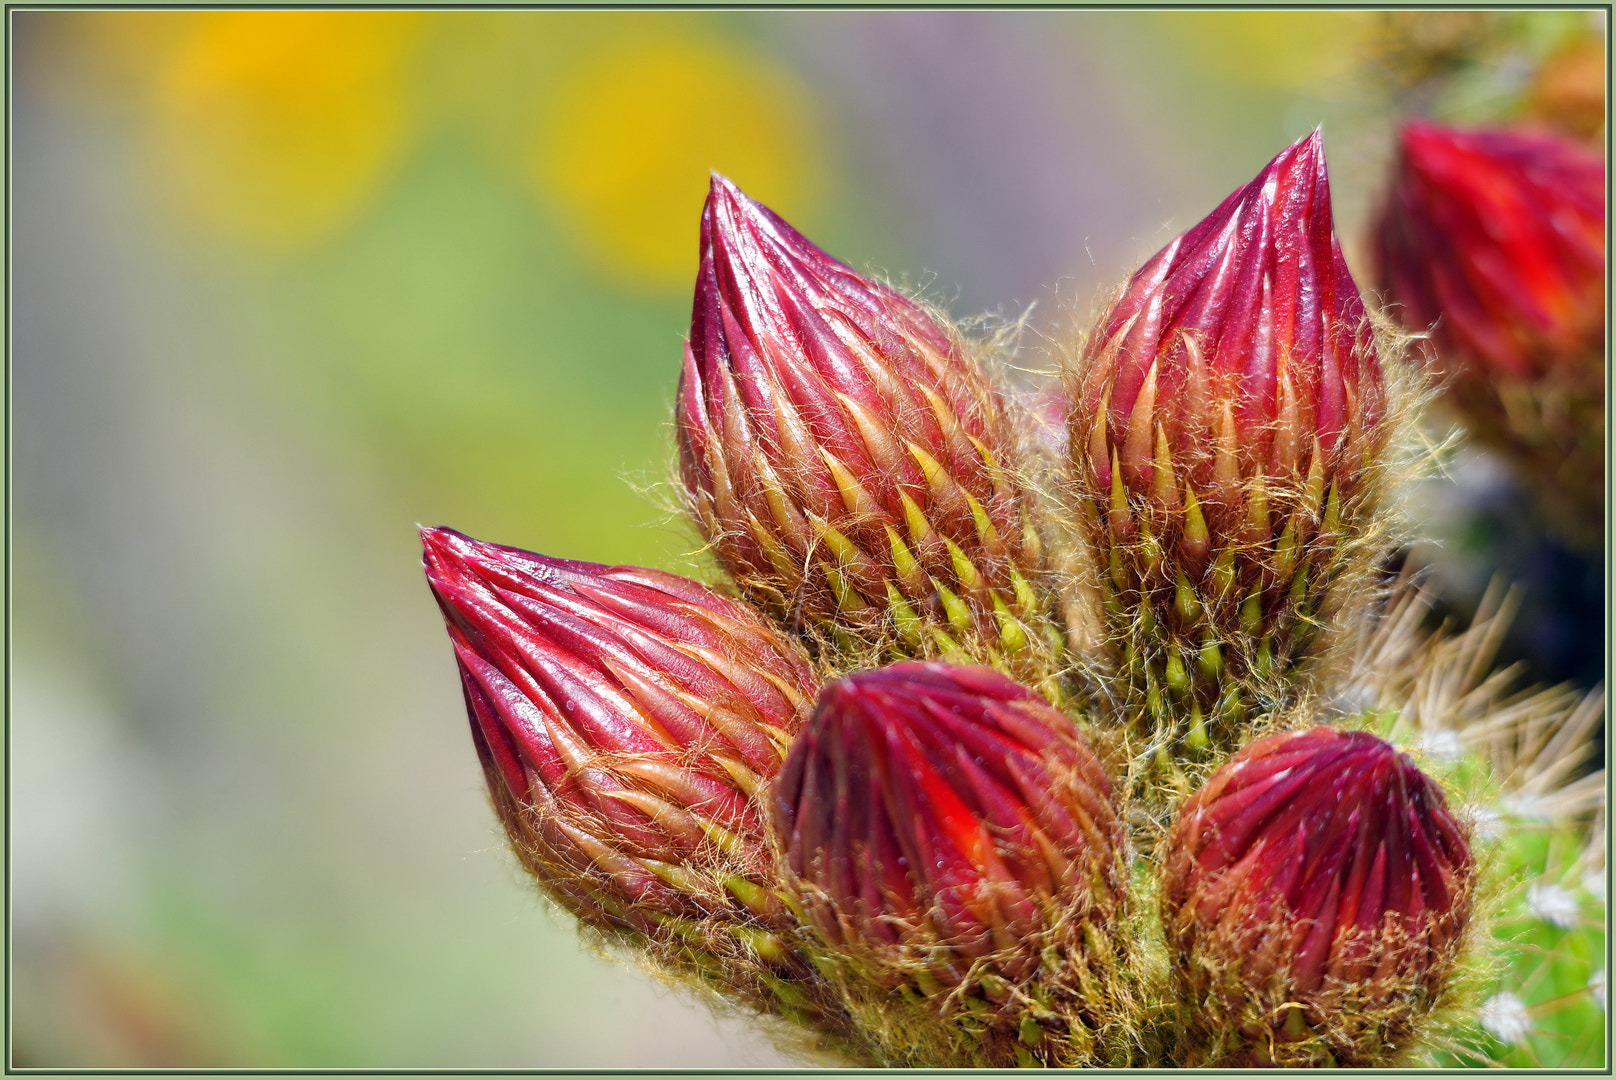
x=1495, y=240
x=946, y=831
x=1316, y=891
x=624, y=718
x=850, y=466
x=1227, y=415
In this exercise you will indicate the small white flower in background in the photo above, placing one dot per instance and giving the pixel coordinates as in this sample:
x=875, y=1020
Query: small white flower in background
x=1442, y=743
x=1485, y=822
x=1595, y=884
x=1596, y=987
x=1504, y=1015
x=1553, y=904
x=1527, y=807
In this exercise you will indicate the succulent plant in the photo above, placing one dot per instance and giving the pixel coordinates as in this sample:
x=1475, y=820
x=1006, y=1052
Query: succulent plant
x=1019, y=750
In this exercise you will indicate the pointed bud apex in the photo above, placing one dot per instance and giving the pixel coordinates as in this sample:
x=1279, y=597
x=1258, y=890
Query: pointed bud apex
x=950, y=831
x=1231, y=384
x=624, y=718
x=1497, y=240
x=1316, y=891
x=852, y=469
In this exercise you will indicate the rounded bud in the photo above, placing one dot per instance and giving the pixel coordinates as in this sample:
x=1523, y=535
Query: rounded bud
x=1494, y=241
x=852, y=469
x=949, y=833
x=1316, y=891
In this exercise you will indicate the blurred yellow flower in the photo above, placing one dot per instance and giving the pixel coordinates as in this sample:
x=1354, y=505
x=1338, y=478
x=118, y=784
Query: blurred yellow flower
x=1296, y=50
x=631, y=132
x=272, y=128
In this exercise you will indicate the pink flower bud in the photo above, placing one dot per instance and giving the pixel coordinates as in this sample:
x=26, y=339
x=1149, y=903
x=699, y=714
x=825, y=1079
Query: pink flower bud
x=1497, y=238
x=1495, y=241
x=1318, y=869
x=945, y=824
x=1243, y=342
x=624, y=718
x=1227, y=415
x=850, y=466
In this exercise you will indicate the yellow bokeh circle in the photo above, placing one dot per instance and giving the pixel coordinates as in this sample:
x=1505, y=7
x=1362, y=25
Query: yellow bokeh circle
x=272, y=128
x=631, y=132
x=1294, y=50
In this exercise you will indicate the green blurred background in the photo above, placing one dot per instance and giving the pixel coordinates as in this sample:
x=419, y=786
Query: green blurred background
x=286, y=284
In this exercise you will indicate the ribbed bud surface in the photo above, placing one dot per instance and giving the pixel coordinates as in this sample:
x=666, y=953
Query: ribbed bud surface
x=850, y=466
x=1495, y=242
x=952, y=833
x=1227, y=415
x=624, y=718
x=1315, y=892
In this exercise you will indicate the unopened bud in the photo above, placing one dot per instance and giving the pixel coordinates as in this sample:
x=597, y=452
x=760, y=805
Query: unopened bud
x=852, y=469
x=1494, y=241
x=948, y=833
x=1316, y=891
x=1224, y=435
x=625, y=719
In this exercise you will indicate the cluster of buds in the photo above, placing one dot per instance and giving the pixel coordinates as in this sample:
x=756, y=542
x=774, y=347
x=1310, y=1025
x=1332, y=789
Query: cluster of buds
x=1494, y=241
x=882, y=794
x=1226, y=440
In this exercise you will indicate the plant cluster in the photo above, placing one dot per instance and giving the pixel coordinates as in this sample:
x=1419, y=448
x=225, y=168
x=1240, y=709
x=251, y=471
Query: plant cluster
x=1112, y=742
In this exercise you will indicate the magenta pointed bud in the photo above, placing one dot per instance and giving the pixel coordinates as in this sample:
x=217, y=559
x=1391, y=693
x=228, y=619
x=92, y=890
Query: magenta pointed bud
x=1494, y=241
x=1229, y=398
x=851, y=467
x=948, y=830
x=1246, y=334
x=624, y=718
x=1316, y=892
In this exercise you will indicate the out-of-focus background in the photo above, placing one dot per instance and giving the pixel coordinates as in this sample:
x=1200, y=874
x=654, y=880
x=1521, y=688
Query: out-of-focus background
x=287, y=283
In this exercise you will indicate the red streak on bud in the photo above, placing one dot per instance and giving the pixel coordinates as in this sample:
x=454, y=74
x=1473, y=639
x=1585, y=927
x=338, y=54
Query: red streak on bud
x=928, y=805
x=1498, y=239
